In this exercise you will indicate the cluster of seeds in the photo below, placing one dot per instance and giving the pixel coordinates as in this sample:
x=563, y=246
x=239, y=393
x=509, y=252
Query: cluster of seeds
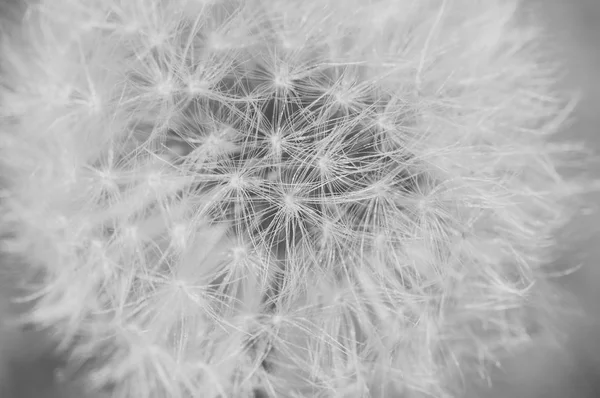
x=288, y=198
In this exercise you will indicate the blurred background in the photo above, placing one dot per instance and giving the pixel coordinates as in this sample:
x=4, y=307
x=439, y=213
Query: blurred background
x=570, y=371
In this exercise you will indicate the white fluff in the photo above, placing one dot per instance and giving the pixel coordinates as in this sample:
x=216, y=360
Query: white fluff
x=316, y=198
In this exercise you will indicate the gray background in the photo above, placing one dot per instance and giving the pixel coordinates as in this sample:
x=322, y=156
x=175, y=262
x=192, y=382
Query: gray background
x=574, y=371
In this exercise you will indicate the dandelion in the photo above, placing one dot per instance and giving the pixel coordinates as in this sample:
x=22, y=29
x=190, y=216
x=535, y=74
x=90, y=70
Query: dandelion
x=244, y=198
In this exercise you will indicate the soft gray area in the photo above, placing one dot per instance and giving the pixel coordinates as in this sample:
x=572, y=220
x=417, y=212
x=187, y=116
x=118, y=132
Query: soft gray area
x=575, y=373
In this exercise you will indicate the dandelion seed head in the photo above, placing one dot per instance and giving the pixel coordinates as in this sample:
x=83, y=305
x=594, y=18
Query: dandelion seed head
x=106, y=178
x=179, y=235
x=276, y=142
x=154, y=180
x=237, y=181
x=282, y=79
x=165, y=88
x=239, y=253
x=199, y=87
x=325, y=163
x=291, y=202
x=276, y=191
x=213, y=141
